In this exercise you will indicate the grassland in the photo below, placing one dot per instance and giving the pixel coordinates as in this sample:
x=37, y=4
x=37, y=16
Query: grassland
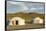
x=28, y=17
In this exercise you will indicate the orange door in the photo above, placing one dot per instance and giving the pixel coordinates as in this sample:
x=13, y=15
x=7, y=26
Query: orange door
x=14, y=23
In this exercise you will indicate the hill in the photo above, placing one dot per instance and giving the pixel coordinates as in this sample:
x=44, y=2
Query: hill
x=27, y=16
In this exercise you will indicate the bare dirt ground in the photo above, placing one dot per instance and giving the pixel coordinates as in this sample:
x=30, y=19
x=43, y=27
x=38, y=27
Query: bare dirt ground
x=28, y=26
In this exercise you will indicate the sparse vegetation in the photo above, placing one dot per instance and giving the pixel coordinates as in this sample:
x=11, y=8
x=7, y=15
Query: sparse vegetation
x=27, y=16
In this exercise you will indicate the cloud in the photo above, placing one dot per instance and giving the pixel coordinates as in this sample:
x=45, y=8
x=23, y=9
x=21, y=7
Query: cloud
x=16, y=0
x=33, y=8
x=19, y=6
x=12, y=3
x=13, y=7
x=38, y=10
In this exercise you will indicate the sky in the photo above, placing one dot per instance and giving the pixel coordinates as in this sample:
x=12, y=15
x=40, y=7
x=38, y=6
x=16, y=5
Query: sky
x=14, y=7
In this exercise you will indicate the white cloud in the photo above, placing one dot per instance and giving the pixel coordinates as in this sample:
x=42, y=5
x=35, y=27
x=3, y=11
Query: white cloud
x=12, y=3
x=33, y=8
x=22, y=7
x=40, y=8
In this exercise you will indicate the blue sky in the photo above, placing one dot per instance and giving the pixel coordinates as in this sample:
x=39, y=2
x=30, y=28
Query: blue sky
x=14, y=7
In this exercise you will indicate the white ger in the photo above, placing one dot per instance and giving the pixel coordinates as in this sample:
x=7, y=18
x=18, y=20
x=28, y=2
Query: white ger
x=38, y=20
x=17, y=21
